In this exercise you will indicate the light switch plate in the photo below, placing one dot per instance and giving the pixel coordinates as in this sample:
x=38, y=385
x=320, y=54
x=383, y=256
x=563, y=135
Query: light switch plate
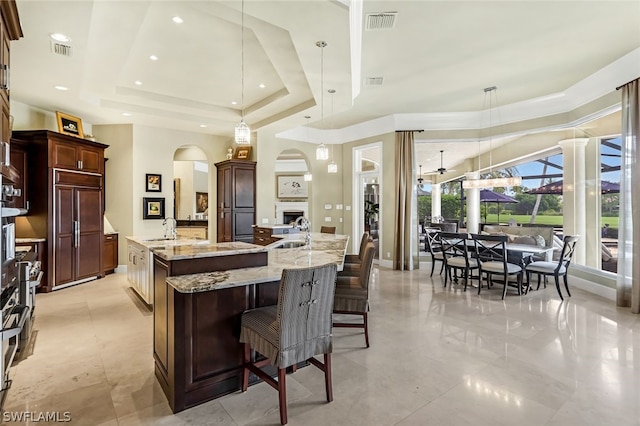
x=327, y=219
x=347, y=208
x=265, y=221
x=339, y=206
x=328, y=206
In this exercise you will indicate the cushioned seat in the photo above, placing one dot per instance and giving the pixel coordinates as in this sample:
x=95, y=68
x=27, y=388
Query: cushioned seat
x=561, y=267
x=352, y=293
x=295, y=330
x=492, y=256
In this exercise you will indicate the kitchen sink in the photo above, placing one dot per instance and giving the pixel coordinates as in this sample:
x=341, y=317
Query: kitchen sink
x=291, y=244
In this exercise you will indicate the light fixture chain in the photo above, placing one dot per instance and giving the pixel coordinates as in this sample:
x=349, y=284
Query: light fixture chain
x=242, y=61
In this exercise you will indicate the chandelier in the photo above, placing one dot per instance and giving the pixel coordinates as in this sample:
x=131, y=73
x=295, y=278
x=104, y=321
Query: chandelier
x=491, y=182
x=242, y=131
x=322, y=152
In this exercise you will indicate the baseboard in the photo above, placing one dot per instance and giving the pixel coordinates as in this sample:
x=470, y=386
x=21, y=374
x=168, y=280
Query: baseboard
x=591, y=287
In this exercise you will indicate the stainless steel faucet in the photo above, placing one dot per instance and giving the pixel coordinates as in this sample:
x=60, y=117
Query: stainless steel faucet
x=171, y=229
x=304, y=225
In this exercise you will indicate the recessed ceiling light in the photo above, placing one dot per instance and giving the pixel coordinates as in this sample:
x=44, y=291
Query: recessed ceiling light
x=234, y=103
x=60, y=37
x=203, y=125
x=177, y=20
x=126, y=114
x=137, y=83
x=262, y=86
x=153, y=57
x=62, y=88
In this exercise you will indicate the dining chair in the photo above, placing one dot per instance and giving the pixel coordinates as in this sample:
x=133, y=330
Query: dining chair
x=491, y=253
x=434, y=247
x=455, y=248
x=327, y=229
x=295, y=330
x=557, y=268
x=352, y=294
x=352, y=262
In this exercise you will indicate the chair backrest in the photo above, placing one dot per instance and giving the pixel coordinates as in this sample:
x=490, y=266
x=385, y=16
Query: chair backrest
x=363, y=245
x=328, y=229
x=568, y=248
x=305, y=304
x=434, y=243
x=367, y=264
x=454, y=244
x=490, y=248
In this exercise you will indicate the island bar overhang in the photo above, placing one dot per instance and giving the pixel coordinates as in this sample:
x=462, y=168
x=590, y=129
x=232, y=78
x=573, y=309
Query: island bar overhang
x=197, y=354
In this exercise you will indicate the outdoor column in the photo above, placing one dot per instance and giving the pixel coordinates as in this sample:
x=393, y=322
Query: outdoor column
x=574, y=194
x=473, y=205
x=436, y=200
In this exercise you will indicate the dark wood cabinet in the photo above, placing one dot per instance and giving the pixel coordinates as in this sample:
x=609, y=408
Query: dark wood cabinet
x=39, y=247
x=18, y=159
x=76, y=156
x=110, y=253
x=9, y=30
x=77, y=228
x=262, y=236
x=65, y=184
x=236, y=200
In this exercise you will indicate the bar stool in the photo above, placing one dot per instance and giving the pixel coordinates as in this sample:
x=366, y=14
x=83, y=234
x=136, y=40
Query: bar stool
x=293, y=331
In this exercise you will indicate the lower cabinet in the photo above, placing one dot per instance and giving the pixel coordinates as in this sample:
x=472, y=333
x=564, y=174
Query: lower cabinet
x=138, y=274
x=192, y=232
x=110, y=253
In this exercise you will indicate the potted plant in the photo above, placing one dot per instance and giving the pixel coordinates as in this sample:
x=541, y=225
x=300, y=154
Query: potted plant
x=371, y=210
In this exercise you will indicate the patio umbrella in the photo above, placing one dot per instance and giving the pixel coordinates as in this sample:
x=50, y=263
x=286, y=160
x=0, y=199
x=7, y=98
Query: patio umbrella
x=555, y=188
x=489, y=196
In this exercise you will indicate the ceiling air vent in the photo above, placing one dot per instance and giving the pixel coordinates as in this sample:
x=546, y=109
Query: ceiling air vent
x=64, y=49
x=374, y=81
x=381, y=21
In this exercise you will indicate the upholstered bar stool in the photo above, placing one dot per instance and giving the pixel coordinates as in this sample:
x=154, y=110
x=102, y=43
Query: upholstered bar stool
x=352, y=293
x=352, y=262
x=295, y=330
x=328, y=229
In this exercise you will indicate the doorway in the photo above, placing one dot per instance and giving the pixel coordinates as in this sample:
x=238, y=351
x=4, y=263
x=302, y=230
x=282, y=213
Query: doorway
x=367, y=193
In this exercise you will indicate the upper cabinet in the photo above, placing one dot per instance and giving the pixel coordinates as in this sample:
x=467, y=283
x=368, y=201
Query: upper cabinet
x=76, y=156
x=9, y=30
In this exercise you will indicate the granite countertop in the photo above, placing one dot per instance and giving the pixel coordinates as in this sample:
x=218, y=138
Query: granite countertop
x=325, y=248
x=206, y=249
x=154, y=242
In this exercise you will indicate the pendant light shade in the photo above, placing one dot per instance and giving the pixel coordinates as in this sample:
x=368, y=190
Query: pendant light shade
x=308, y=177
x=322, y=152
x=332, y=167
x=492, y=182
x=242, y=134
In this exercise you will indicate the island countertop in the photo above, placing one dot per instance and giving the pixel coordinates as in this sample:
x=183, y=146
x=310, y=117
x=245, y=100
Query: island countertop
x=325, y=248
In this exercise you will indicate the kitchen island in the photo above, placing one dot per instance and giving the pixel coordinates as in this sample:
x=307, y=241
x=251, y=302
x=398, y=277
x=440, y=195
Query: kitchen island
x=200, y=293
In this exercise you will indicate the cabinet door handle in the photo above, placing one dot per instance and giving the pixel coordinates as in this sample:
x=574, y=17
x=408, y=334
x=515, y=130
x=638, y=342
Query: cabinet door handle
x=80, y=164
x=27, y=205
x=76, y=233
x=221, y=215
x=5, y=80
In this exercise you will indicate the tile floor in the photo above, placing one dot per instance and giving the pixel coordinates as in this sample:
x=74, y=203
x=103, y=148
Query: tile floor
x=438, y=357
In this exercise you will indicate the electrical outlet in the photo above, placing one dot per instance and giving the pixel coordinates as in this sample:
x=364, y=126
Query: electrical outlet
x=265, y=221
x=340, y=220
x=389, y=254
x=347, y=208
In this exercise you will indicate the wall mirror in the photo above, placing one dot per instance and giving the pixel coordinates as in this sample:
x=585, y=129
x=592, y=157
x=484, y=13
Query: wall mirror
x=191, y=184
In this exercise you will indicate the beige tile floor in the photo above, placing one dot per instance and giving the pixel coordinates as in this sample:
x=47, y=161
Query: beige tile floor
x=438, y=357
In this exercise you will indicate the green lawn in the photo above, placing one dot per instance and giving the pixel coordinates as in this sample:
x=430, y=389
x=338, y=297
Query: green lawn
x=541, y=220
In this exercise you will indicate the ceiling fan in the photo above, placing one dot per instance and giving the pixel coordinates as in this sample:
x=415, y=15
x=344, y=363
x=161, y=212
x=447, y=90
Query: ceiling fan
x=441, y=170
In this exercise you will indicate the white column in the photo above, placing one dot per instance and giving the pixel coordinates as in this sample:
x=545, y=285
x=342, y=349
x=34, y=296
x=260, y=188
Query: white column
x=473, y=205
x=436, y=200
x=574, y=194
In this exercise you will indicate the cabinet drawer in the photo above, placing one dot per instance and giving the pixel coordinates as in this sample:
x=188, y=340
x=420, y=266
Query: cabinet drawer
x=110, y=237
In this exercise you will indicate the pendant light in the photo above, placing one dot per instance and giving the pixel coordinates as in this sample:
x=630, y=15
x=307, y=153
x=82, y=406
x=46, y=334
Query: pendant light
x=495, y=182
x=242, y=131
x=322, y=153
x=332, y=167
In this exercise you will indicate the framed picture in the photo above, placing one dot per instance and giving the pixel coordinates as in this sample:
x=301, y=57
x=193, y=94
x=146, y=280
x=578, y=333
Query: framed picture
x=292, y=187
x=153, y=182
x=242, y=153
x=69, y=125
x=202, y=202
x=153, y=208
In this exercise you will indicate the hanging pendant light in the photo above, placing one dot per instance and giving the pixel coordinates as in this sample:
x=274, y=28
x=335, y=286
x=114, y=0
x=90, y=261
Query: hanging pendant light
x=492, y=182
x=332, y=167
x=242, y=131
x=322, y=152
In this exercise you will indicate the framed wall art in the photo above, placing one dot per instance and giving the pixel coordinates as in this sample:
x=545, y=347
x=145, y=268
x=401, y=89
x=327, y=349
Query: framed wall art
x=242, y=153
x=153, y=182
x=202, y=202
x=69, y=125
x=153, y=208
x=292, y=187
